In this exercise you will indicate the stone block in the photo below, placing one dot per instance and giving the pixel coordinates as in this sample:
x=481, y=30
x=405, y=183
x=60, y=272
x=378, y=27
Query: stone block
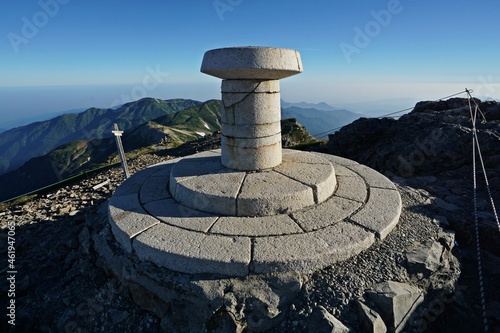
x=256, y=226
x=171, y=212
x=251, y=131
x=345, y=240
x=311, y=170
x=191, y=167
x=184, y=251
x=381, y=213
x=327, y=213
x=250, y=109
x=300, y=253
x=155, y=188
x=270, y=193
x=239, y=154
x=372, y=177
x=213, y=193
x=128, y=219
x=397, y=302
x=250, y=86
x=196, y=165
x=252, y=143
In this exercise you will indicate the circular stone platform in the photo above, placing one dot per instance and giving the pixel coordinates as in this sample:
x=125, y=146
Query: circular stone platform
x=201, y=182
x=333, y=208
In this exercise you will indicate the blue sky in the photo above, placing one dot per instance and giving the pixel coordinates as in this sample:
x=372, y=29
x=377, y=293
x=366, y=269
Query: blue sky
x=64, y=54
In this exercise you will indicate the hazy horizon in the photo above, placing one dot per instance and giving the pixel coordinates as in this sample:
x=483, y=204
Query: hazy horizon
x=22, y=104
x=60, y=55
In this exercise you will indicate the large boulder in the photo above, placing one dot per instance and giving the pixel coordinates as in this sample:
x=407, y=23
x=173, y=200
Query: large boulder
x=425, y=257
x=370, y=320
x=322, y=321
x=397, y=301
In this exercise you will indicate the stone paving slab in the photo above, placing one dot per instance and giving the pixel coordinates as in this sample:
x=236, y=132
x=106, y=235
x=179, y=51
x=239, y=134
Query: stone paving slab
x=162, y=169
x=128, y=219
x=372, y=177
x=285, y=194
x=189, y=252
x=310, y=251
x=381, y=212
x=337, y=160
x=217, y=190
x=134, y=183
x=300, y=252
x=342, y=171
x=327, y=213
x=192, y=167
x=256, y=226
x=155, y=188
x=169, y=211
x=311, y=170
x=196, y=165
x=296, y=156
x=213, y=193
x=209, y=153
x=353, y=188
x=345, y=240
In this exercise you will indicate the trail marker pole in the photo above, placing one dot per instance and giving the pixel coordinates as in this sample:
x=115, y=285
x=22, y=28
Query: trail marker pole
x=121, y=152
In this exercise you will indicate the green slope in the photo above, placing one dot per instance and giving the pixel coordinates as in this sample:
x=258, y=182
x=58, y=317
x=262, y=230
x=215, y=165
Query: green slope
x=180, y=127
x=20, y=144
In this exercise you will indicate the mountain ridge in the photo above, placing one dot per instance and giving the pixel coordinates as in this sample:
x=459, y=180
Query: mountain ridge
x=80, y=156
x=36, y=139
x=18, y=145
x=318, y=122
x=70, y=143
x=322, y=106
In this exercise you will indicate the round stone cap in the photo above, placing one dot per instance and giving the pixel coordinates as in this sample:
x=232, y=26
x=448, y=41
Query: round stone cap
x=252, y=62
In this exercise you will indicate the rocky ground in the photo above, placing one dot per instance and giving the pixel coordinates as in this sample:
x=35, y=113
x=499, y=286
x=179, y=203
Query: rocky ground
x=61, y=287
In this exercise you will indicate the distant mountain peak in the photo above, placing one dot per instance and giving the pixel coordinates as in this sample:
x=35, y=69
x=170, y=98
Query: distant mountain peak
x=322, y=106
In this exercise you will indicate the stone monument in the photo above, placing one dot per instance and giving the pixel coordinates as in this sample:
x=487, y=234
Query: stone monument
x=251, y=117
x=249, y=209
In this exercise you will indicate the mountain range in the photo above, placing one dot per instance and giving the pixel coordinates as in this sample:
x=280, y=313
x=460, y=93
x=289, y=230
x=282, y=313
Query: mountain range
x=319, y=122
x=45, y=152
x=19, y=144
x=304, y=105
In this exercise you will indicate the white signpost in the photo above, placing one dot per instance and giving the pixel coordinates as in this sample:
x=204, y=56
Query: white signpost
x=121, y=152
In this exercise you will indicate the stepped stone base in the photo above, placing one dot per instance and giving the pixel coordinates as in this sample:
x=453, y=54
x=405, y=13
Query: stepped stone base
x=202, y=182
x=195, y=216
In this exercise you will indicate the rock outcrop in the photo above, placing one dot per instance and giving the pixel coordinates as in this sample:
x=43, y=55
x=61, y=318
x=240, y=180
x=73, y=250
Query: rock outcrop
x=434, y=139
